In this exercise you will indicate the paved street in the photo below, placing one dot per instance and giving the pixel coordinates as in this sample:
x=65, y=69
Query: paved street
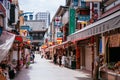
x=44, y=69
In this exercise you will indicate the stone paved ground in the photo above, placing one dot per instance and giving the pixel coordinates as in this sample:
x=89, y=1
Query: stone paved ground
x=43, y=69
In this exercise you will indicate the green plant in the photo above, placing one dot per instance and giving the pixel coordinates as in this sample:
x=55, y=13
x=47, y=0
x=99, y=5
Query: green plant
x=111, y=65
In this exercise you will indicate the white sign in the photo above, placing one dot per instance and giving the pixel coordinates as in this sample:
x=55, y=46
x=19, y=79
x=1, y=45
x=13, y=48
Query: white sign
x=65, y=18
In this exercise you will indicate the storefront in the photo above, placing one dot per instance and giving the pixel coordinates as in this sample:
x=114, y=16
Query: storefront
x=112, y=58
x=70, y=52
x=102, y=27
x=87, y=51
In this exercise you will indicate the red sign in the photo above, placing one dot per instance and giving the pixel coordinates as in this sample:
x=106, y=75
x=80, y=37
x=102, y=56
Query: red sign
x=18, y=38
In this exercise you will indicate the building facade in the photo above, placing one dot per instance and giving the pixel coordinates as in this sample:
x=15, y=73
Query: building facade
x=38, y=29
x=93, y=30
x=43, y=16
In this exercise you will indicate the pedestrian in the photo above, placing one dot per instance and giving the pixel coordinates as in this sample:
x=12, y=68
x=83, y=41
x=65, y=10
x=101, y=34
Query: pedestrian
x=27, y=60
x=60, y=60
x=55, y=58
x=42, y=56
x=33, y=57
x=98, y=63
x=63, y=60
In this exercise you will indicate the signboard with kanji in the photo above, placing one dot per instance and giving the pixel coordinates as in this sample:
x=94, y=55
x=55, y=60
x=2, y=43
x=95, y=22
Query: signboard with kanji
x=72, y=21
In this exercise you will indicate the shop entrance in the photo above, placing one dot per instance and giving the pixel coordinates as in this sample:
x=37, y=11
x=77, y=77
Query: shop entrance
x=114, y=54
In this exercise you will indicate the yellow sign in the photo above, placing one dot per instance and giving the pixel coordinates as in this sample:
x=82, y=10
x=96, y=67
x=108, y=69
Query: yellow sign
x=24, y=33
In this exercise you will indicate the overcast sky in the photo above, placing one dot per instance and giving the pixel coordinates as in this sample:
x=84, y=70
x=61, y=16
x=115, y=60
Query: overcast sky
x=41, y=6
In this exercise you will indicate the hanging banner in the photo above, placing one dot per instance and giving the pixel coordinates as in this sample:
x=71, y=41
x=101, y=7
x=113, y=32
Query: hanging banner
x=72, y=21
x=58, y=22
x=6, y=41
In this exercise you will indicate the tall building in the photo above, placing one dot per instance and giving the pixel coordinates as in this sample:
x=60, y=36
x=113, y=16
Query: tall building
x=43, y=16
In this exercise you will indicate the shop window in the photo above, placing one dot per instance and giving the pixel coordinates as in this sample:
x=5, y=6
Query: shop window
x=113, y=57
x=114, y=54
x=95, y=5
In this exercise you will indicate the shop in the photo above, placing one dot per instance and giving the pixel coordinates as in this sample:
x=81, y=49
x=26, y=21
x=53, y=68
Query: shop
x=112, y=58
x=70, y=53
x=52, y=51
x=102, y=27
x=6, y=42
x=87, y=52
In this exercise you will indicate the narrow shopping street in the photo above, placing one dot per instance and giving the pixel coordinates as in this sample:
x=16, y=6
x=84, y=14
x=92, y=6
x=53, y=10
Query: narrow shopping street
x=44, y=69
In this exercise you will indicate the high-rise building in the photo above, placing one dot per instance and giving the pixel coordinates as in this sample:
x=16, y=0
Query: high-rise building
x=43, y=16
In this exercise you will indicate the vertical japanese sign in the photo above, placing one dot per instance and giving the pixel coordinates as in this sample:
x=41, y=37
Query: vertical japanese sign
x=72, y=21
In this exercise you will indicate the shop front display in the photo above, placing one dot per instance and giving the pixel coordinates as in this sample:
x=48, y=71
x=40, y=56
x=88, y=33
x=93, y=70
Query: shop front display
x=6, y=41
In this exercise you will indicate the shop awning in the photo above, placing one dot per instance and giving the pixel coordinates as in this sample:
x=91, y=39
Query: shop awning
x=63, y=44
x=6, y=41
x=106, y=24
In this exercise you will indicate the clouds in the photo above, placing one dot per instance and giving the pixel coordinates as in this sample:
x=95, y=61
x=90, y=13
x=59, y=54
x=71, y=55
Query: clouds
x=41, y=5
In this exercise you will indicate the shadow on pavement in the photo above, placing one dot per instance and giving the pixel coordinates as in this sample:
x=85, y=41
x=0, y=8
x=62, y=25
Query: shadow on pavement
x=23, y=74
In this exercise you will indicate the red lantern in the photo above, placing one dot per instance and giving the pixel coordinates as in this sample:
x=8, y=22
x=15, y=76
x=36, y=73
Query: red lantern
x=28, y=42
x=18, y=38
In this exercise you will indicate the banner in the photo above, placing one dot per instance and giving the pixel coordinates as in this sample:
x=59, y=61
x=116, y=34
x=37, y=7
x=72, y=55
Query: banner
x=6, y=41
x=72, y=21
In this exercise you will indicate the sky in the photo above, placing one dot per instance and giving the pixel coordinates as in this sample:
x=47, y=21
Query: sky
x=41, y=6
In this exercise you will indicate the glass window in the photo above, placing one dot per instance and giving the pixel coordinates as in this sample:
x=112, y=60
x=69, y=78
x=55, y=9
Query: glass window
x=95, y=5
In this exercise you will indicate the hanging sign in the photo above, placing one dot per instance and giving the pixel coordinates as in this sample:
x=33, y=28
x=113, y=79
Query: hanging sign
x=72, y=21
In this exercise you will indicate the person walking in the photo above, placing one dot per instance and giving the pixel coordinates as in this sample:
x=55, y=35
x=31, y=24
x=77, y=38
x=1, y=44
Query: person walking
x=27, y=60
x=55, y=58
x=63, y=60
x=60, y=60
